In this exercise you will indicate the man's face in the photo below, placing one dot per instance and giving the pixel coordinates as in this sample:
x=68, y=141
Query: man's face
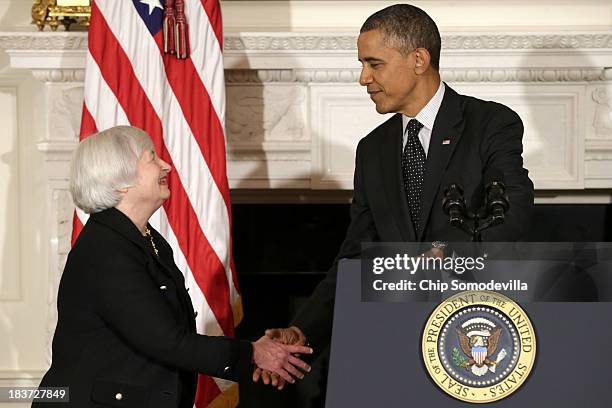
x=389, y=77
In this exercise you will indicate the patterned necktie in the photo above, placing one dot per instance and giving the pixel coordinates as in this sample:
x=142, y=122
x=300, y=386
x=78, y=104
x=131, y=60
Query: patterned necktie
x=413, y=170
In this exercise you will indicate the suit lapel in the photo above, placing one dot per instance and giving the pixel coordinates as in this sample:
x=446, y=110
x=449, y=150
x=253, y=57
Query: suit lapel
x=391, y=162
x=118, y=221
x=158, y=265
x=447, y=129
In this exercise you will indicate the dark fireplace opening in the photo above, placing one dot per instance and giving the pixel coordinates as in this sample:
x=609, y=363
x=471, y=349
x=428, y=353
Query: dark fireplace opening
x=282, y=251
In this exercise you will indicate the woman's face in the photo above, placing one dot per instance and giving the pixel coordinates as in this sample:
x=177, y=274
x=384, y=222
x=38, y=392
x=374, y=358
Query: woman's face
x=151, y=184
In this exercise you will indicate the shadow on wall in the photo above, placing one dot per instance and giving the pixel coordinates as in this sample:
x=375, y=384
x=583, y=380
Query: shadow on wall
x=557, y=122
x=551, y=112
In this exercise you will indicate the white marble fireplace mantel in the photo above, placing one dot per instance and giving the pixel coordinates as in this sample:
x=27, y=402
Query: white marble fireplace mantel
x=295, y=111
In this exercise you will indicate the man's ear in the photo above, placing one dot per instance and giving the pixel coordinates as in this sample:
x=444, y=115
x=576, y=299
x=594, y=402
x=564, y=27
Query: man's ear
x=423, y=59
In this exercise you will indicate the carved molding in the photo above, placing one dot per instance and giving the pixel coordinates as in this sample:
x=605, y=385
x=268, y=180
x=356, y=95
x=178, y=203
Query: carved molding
x=59, y=75
x=65, y=102
x=302, y=42
x=291, y=42
x=526, y=42
x=602, y=120
x=273, y=113
x=260, y=76
x=234, y=76
x=257, y=76
x=43, y=41
x=523, y=75
x=598, y=157
x=599, y=150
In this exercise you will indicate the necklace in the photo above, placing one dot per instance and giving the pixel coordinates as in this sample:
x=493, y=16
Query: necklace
x=148, y=233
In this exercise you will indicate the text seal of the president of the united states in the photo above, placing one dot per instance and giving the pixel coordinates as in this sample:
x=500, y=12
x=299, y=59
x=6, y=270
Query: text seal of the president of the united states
x=479, y=346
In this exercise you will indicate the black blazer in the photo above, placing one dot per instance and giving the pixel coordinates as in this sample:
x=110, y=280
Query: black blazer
x=126, y=324
x=485, y=141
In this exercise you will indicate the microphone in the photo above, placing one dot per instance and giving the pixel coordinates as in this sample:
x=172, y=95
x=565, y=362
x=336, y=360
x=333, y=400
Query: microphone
x=496, y=200
x=453, y=204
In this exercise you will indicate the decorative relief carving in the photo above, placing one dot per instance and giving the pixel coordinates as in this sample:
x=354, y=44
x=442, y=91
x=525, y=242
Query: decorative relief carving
x=602, y=120
x=65, y=105
x=526, y=42
x=258, y=113
x=44, y=41
x=59, y=75
x=251, y=76
x=522, y=75
x=289, y=42
x=451, y=42
x=299, y=42
x=289, y=75
x=454, y=75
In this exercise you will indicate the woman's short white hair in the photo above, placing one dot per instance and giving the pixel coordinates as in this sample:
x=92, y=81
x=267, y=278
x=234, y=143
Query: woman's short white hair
x=103, y=163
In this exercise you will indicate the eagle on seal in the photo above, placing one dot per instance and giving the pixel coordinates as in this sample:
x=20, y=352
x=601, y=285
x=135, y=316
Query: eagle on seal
x=479, y=349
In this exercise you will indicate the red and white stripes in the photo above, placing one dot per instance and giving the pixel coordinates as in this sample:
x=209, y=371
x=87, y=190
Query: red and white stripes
x=181, y=105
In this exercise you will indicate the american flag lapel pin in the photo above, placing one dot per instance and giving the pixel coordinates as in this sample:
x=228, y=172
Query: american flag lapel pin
x=446, y=141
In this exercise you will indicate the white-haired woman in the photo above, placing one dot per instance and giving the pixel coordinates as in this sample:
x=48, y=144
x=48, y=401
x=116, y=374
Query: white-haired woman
x=126, y=333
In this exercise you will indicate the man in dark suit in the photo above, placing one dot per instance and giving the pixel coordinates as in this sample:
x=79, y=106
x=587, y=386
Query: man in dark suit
x=437, y=137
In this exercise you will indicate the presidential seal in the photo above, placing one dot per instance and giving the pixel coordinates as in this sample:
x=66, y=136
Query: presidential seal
x=479, y=346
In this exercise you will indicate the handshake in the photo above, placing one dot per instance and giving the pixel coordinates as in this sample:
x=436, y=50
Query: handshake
x=276, y=356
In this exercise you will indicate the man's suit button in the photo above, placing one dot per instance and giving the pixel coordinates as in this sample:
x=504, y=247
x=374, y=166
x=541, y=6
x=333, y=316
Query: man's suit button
x=163, y=287
x=226, y=369
x=118, y=396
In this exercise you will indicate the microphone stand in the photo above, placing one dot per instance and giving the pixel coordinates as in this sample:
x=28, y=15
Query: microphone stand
x=473, y=223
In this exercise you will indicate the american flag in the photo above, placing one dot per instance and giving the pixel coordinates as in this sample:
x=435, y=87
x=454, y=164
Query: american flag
x=180, y=103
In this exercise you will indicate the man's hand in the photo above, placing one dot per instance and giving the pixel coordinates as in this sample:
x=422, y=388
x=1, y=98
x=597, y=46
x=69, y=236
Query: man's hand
x=290, y=335
x=278, y=358
x=434, y=253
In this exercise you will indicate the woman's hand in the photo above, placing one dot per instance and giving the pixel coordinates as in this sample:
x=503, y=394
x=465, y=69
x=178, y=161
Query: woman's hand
x=289, y=335
x=278, y=358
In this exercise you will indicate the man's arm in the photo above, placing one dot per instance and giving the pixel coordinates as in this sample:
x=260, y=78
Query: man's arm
x=316, y=315
x=501, y=151
x=313, y=323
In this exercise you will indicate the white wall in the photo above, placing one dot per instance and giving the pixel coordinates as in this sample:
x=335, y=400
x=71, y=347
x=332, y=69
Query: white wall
x=23, y=220
x=469, y=15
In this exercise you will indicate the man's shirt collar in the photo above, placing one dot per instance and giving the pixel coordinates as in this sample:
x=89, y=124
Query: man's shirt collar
x=427, y=115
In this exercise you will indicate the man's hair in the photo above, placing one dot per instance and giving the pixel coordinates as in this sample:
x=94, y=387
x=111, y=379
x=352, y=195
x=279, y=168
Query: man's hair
x=406, y=28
